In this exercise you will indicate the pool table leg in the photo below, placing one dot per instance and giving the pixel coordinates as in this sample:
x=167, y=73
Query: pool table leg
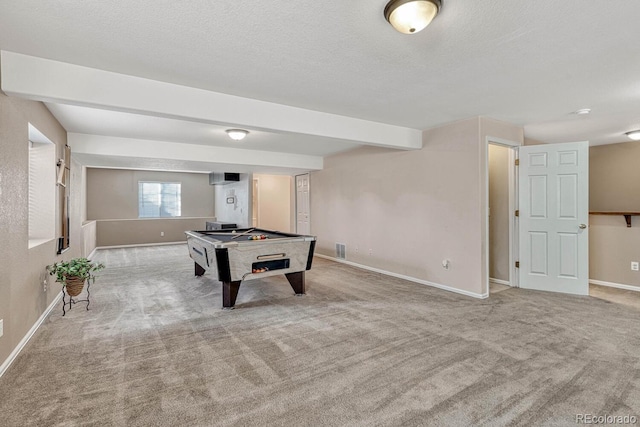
x=199, y=270
x=230, y=293
x=296, y=280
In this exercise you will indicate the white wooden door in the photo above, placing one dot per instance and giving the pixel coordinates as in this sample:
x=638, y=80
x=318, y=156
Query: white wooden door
x=554, y=214
x=255, y=206
x=302, y=204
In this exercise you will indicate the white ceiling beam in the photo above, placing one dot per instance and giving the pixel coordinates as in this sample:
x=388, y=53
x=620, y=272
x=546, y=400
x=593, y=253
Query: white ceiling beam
x=140, y=148
x=58, y=82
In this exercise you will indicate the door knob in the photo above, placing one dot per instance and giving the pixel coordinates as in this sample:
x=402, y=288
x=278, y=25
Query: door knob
x=582, y=226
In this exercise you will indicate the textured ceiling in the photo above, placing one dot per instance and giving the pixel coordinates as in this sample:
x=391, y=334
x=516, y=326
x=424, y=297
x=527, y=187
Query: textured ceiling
x=528, y=63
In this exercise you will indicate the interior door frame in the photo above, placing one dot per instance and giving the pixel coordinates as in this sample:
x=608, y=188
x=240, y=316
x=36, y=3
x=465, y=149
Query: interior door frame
x=513, y=205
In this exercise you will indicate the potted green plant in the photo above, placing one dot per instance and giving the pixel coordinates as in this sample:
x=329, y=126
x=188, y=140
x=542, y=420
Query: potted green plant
x=74, y=273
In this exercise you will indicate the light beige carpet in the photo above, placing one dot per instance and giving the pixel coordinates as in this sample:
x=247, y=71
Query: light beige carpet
x=359, y=349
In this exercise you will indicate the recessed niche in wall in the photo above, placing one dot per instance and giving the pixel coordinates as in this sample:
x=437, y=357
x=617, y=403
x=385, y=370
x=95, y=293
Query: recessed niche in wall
x=42, y=188
x=63, y=181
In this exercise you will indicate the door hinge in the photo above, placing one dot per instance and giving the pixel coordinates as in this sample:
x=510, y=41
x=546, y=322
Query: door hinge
x=517, y=264
x=517, y=212
x=517, y=162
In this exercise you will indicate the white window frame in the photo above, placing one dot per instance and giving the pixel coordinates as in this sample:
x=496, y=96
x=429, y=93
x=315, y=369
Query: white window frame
x=160, y=210
x=41, y=188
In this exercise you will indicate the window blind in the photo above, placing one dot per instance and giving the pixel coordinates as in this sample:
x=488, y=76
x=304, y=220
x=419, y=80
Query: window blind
x=159, y=199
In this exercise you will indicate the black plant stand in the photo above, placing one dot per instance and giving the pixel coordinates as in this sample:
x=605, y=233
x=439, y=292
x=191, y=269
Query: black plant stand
x=73, y=301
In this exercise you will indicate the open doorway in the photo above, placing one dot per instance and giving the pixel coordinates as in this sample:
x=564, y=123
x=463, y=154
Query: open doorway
x=501, y=215
x=272, y=207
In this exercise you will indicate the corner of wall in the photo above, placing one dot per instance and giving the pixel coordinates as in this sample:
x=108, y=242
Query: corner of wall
x=22, y=298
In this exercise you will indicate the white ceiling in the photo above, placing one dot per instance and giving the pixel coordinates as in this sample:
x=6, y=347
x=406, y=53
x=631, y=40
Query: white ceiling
x=528, y=63
x=127, y=125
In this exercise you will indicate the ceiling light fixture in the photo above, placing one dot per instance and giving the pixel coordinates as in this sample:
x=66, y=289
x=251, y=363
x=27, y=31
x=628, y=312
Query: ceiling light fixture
x=237, y=134
x=411, y=16
x=634, y=134
x=583, y=111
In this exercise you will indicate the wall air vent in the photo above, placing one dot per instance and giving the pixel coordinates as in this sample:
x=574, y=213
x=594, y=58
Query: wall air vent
x=341, y=251
x=222, y=178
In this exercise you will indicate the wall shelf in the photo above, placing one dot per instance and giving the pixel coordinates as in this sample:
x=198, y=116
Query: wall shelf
x=627, y=215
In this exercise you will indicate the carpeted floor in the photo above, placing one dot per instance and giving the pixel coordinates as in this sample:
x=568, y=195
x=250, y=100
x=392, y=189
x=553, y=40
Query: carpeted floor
x=359, y=349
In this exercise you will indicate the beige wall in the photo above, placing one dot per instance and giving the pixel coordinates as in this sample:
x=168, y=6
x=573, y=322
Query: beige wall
x=499, y=212
x=614, y=177
x=89, y=238
x=614, y=185
x=22, y=270
x=113, y=193
x=112, y=200
x=411, y=209
x=274, y=202
x=146, y=231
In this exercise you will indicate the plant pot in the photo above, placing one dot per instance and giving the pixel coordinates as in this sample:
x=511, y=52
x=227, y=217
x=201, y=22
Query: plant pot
x=74, y=285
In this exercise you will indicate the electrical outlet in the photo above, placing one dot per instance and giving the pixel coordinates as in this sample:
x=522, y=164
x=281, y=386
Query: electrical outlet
x=44, y=285
x=635, y=266
x=162, y=234
x=1, y=327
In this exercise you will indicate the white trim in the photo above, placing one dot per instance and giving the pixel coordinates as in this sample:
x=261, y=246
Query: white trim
x=37, y=242
x=135, y=245
x=504, y=142
x=93, y=252
x=408, y=278
x=615, y=285
x=5, y=365
x=499, y=281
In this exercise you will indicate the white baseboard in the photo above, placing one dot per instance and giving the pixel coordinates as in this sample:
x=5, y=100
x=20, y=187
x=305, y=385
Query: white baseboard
x=499, y=281
x=408, y=278
x=615, y=285
x=137, y=245
x=5, y=365
x=93, y=252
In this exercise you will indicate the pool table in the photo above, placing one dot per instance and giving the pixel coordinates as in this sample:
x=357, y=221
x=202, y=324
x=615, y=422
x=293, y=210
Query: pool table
x=233, y=256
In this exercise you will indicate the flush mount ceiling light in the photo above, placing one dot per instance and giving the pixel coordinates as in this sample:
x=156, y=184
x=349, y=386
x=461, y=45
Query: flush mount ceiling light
x=582, y=111
x=634, y=134
x=411, y=16
x=237, y=134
